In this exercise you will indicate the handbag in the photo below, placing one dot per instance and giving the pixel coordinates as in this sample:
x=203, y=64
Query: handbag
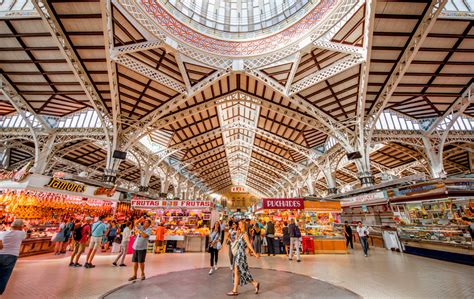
x=218, y=246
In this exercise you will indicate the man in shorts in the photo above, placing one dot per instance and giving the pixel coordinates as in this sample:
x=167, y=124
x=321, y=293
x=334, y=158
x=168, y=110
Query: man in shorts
x=81, y=243
x=97, y=233
x=143, y=231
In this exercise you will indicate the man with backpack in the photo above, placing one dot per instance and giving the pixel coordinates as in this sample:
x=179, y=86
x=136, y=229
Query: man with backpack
x=295, y=240
x=81, y=235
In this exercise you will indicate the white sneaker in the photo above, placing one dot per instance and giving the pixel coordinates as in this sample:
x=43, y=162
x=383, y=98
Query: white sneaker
x=211, y=271
x=215, y=268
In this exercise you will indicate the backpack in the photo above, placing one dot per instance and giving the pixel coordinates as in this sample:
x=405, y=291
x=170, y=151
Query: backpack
x=297, y=232
x=77, y=233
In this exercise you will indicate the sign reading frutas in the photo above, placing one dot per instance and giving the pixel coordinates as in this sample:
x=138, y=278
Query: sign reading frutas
x=105, y=191
x=283, y=203
x=66, y=186
x=156, y=204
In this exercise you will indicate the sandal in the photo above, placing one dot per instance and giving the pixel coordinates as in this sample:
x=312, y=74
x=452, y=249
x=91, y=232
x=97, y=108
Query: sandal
x=257, y=288
x=232, y=293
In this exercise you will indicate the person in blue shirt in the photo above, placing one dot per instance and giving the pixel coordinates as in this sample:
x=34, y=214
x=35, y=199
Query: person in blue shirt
x=143, y=232
x=97, y=232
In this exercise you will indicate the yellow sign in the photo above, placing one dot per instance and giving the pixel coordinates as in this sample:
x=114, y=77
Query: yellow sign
x=323, y=206
x=66, y=186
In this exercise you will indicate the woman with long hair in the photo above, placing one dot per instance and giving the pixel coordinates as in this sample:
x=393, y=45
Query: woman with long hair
x=241, y=275
x=215, y=245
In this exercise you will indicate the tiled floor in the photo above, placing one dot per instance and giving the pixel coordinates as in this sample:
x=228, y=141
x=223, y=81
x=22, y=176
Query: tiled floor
x=383, y=274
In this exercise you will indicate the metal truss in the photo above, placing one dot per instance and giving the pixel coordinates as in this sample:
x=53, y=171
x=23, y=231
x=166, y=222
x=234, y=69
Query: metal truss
x=145, y=125
x=342, y=48
x=58, y=35
x=184, y=73
x=415, y=43
x=137, y=47
x=326, y=73
x=33, y=120
x=149, y=72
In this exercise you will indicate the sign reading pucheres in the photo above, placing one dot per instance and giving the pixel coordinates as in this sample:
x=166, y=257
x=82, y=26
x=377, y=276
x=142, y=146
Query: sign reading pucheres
x=66, y=186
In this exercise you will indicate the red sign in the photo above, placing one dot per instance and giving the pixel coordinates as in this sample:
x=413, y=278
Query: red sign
x=146, y=203
x=283, y=203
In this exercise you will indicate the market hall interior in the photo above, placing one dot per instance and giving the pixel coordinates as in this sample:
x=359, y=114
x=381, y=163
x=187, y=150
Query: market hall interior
x=215, y=148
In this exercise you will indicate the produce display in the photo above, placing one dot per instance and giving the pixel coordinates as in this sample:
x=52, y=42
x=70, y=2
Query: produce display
x=184, y=222
x=455, y=235
x=322, y=224
x=47, y=205
x=186, y=231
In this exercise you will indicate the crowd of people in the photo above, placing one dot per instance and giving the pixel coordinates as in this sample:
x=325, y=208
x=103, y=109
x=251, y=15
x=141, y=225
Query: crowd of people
x=242, y=236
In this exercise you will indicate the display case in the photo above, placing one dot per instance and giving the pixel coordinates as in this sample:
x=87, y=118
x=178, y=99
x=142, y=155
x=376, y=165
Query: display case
x=452, y=235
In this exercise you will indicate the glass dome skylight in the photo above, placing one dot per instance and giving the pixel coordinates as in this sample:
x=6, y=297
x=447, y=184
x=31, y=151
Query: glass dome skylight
x=238, y=18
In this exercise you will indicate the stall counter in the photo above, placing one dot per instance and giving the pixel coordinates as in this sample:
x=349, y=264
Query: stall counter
x=36, y=246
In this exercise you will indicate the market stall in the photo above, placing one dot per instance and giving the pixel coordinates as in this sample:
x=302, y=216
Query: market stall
x=186, y=222
x=433, y=219
x=279, y=211
x=373, y=210
x=321, y=223
x=43, y=202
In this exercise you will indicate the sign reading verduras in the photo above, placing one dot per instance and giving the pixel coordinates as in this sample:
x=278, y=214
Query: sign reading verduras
x=157, y=204
x=283, y=203
x=65, y=185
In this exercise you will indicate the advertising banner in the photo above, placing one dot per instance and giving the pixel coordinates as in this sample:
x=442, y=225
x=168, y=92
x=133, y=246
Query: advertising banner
x=283, y=203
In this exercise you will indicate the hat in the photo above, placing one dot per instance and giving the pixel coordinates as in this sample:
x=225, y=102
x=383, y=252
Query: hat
x=88, y=218
x=18, y=223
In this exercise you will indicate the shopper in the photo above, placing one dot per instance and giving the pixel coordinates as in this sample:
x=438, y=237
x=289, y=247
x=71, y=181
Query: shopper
x=257, y=240
x=59, y=238
x=363, y=233
x=295, y=240
x=214, y=246
x=81, y=236
x=270, y=234
x=348, y=234
x=231, y=239
x=126, y=234
x=160, y=237
x=143, y=232
x=241, y=275
x=286, y=237
x=97, y=233
x=111, y=234
x=10, y=243
x=222, y=231
x=67, y=234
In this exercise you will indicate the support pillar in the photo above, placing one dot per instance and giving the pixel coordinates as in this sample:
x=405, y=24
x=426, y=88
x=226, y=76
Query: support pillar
x=309, y=183
x=146, y=172
x=5, y=157
x=330, y=178
x=44, y=155
x=434, y=153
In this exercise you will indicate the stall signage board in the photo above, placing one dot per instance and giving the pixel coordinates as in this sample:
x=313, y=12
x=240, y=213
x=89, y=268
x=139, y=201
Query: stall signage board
x=418, y=189
x=237, y=189
x=55, y=183
x=322, y=205
x=156, y=204
x=366, y=197
x=283, y=203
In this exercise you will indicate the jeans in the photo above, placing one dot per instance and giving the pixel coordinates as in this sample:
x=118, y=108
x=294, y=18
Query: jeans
x=271, y=245
x=7, y=263
x=214, y=256
x=349, y=240
x=365, y=244
x=257, y=244
x=295, y=242
x=123, y=252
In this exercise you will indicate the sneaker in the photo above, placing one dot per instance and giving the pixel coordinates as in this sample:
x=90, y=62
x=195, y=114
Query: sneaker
x=71, y=264
x=86, y=265
x=77, y=265
x=91, y=266
x=143, y=278
x=298, y=261
x=211, y=271
x=132, y=278
x=123, y=265
x=290, y=259
x=115, y=264
x=215, y=268
x=365, y=255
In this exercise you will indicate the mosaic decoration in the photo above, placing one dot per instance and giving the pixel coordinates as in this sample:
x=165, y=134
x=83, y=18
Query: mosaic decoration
x=231, y=48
